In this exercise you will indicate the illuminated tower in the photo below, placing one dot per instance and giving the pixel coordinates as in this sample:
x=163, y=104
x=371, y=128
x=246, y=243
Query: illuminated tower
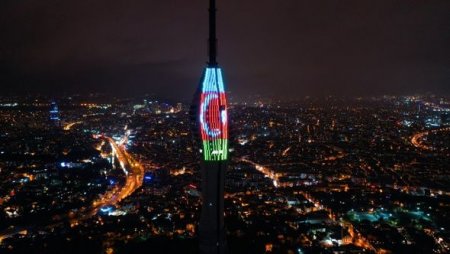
x=209, y=112
x=54, y=114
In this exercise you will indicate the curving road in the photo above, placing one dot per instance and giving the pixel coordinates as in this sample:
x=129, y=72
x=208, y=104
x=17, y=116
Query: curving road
x=417, y=139
x=69, y=126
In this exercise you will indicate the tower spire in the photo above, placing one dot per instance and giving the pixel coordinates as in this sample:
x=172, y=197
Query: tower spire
x=212, y=41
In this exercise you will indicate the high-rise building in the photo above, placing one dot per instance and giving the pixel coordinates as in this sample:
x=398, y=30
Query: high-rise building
x=209, y=112
x=54, y=114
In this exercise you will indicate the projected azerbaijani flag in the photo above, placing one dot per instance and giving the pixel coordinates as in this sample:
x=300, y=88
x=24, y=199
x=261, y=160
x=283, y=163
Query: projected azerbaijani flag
x=213, y=116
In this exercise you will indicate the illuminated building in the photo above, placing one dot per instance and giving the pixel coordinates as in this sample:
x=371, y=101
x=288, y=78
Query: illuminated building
x=54, y=114
x=148, y=177
x=209, y=111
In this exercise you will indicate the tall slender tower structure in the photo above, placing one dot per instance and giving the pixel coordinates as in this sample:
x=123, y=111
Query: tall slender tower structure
x=209, y=111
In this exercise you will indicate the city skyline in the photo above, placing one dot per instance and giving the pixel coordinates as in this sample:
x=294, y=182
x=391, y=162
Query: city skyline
x=361, y=175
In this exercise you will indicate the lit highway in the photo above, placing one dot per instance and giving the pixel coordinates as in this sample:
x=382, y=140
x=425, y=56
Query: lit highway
x=12, y=232
x=417, y=139
x=135, y=175
x=69, y=126
x=264, y=170
x=133, y=181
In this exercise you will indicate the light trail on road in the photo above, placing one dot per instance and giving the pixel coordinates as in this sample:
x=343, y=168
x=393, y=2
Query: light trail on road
x=133, y=181
x=417, y=139
x=111, y=198
x=264, y=170
x=69, y=126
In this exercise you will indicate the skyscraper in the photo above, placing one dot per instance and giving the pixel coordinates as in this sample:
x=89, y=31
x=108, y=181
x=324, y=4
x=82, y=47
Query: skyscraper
x=211, y=125
x=54, y=114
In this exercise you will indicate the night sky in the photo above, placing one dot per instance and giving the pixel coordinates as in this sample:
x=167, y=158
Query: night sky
x=271, y=47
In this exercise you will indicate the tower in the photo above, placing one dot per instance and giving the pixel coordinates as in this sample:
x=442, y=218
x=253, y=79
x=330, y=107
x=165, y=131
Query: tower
x=210, y=118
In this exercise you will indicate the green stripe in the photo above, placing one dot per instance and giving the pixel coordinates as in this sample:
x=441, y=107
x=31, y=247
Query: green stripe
x=217, y=145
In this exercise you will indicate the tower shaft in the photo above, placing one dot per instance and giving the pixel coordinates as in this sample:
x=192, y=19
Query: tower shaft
x=212, y=238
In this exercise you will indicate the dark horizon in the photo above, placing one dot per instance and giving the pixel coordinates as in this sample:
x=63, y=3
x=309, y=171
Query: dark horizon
x=289, y=49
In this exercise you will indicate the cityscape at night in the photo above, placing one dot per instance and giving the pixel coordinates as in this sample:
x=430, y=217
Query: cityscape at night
x=313, y=127
x=331, y=175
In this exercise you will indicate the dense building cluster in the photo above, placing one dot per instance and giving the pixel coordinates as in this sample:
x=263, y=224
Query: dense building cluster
x=98, y=175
